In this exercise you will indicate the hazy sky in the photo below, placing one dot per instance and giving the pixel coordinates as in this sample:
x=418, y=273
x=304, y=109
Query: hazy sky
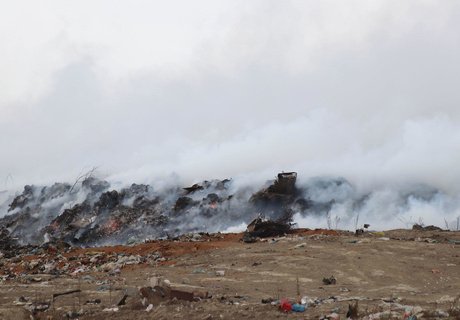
x=209, y=89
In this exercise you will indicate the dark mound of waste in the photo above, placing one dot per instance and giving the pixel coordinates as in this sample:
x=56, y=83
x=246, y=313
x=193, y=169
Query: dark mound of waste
x=264, y=228
x=90, y=212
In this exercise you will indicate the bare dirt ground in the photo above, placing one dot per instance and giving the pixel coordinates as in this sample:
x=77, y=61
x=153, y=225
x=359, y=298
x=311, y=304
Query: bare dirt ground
x=388, y=274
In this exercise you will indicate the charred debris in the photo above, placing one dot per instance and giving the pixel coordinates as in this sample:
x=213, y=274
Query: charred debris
x=93, y=214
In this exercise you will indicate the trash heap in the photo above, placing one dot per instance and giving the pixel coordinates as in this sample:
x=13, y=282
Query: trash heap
x=91, y=214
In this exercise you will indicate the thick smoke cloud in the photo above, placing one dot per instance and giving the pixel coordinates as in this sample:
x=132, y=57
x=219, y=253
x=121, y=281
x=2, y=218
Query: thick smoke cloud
x=179, y=92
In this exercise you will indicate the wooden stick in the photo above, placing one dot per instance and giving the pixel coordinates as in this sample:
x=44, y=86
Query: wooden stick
x=64, y=293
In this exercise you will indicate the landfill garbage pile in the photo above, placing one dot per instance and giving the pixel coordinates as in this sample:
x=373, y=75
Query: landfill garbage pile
x=91, y=213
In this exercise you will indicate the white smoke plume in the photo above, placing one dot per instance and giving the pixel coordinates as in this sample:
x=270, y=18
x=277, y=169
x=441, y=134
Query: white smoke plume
x=172, y=94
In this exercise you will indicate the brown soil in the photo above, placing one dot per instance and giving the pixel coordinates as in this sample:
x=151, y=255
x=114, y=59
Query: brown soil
x=391, y=271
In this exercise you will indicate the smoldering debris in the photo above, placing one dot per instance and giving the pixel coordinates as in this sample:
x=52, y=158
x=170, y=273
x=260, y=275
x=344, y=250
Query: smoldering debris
x=276, y=200
x=92, y=213
x=8, y=245
x=263, y=228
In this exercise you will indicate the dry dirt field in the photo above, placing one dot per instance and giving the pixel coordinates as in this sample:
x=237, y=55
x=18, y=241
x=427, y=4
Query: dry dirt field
x=388, y=274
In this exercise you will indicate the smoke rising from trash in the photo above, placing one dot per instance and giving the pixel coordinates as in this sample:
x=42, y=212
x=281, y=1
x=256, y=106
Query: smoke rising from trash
x=89, y=212
x=365, y=94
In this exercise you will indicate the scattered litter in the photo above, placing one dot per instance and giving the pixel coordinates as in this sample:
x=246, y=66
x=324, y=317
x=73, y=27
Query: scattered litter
x=104, y=287
x=446, y=299
x=427, y=240
x=114, y=309
x=352, y=312
x=122, y=300
x=93, y=301
x=285, y=305
x=301, y=245
x=441, y=314
x=383, y=315
x=267, y=300
x=87, y=278
x=21, y=301
x=73, y=314
x=332, y=316
x=37, y=307
x=298, y=307
x=306, y=301
x=198, y=270
x=330, y=280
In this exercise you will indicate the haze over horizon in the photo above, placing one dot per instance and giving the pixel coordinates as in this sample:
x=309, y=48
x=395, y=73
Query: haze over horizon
x=367, y=90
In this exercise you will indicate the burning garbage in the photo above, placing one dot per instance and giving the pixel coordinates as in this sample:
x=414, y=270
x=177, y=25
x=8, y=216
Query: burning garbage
x=263, y=228
x=276, y=199
x=89, y=213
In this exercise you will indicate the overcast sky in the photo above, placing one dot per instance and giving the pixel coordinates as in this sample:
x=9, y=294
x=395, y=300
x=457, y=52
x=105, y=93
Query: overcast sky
x=368, y=90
